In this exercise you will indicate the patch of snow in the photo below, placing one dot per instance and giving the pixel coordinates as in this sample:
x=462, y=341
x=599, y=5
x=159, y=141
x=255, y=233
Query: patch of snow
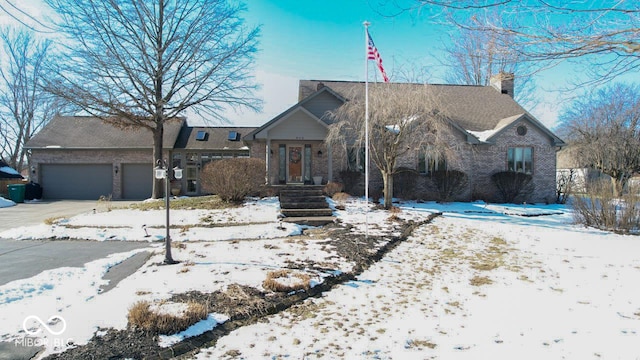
x=6, y=202
x=196, y=329
x=483, y=136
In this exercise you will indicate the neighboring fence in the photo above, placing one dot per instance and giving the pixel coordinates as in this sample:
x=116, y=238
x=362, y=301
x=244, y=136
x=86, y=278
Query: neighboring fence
x=5, y=182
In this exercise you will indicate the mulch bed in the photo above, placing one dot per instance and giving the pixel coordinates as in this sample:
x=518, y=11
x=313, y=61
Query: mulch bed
x=244, y=305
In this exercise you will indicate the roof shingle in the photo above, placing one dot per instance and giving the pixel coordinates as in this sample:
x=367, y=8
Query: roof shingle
x=86, y=132
x=473, y=108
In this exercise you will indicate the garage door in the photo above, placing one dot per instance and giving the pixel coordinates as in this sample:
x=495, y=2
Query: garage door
x=137, y=181
x=76, y=181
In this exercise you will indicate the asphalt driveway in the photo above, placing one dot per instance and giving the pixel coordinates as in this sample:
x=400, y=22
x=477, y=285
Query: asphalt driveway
x=20, y=259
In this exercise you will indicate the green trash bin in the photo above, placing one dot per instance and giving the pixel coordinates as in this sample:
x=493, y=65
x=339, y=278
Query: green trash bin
x=16, y=192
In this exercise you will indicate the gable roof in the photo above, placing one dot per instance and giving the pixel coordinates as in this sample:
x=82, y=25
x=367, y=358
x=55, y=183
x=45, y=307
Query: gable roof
x=87, y=132
x=216, y=138
x=488, y=136
x=298, y=107
x=473, y=108
x=480, y=112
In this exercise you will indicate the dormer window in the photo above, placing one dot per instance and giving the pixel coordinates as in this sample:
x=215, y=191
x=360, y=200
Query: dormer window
x=233, y=136
x=201, y=135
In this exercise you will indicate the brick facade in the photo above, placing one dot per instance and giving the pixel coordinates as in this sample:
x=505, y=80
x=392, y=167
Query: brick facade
x=480, y=162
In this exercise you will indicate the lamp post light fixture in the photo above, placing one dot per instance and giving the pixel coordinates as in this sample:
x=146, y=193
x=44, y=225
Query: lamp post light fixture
x=162, y=171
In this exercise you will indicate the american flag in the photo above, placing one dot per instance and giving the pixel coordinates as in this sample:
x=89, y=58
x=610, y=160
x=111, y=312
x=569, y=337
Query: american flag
x=373, y=54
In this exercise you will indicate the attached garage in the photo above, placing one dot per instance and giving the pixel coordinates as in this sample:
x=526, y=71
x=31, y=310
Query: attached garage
x=76, y=181
x=137, y=181
x=84, y=157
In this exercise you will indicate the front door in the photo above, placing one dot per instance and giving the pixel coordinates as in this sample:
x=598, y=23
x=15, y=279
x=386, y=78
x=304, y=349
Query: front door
x=295, y=159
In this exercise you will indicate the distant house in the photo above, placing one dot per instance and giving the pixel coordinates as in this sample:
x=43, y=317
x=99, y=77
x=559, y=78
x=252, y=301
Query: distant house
x=77, y=157
x=490, y=130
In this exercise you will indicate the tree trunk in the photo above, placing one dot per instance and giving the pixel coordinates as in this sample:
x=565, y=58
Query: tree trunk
x=619, y=183
x=157, y=159
x=388, y=190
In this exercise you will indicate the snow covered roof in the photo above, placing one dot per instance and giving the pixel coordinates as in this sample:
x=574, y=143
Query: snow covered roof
x=7, y=172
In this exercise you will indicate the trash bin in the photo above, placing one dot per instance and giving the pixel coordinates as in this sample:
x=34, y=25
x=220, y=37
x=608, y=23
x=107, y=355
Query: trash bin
x=32, y=191
x=16, y=192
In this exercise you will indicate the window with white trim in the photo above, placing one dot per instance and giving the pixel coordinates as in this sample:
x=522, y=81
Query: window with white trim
x=520, y=159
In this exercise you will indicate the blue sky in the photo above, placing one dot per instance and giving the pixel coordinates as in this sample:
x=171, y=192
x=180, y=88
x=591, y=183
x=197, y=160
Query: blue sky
x=324, y=39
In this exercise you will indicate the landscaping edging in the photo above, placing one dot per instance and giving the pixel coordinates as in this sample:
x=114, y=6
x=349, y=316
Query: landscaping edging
x=128, y=343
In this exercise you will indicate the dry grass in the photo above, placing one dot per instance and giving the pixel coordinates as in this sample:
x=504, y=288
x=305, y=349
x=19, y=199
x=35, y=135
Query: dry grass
x=198, y=202
x=142, y=317
x=286, y=281
x=178, y=245
x=341, y=196
x=53, y=220
x=420, y=344
x=480, y=280
x=185, y=267
x=106, y=202
x=241, y=300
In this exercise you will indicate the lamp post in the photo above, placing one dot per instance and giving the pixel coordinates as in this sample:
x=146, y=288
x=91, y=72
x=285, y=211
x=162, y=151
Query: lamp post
x=162, y=171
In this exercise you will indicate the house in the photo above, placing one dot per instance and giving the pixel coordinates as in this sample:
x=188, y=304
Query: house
x=489, y=131
x=80, y=157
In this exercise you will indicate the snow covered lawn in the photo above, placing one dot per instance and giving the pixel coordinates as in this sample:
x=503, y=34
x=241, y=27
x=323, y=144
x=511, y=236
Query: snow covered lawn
x=470, y=288
x=483, y=281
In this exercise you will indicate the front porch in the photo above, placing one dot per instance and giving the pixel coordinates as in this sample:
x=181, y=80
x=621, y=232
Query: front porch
x=298, y=163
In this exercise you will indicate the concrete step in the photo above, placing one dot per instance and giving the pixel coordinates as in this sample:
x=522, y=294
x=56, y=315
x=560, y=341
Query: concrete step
x=303, y=205
x=306, y=212
x=310, y=220
x=300, y=192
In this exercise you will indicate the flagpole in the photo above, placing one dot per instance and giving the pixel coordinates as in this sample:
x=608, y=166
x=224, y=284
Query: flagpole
x=366, y=128
x=366, y=115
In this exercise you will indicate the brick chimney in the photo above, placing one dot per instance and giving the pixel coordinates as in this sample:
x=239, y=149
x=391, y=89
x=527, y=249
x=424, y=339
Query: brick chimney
x=503, y=82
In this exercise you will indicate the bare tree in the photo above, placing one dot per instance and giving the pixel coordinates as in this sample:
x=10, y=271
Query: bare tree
x=474, y=56
x=143, y=63
x=23, y=17
x=603, y=132
x=24, y=106
x=605, y=33
x=396, y=113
